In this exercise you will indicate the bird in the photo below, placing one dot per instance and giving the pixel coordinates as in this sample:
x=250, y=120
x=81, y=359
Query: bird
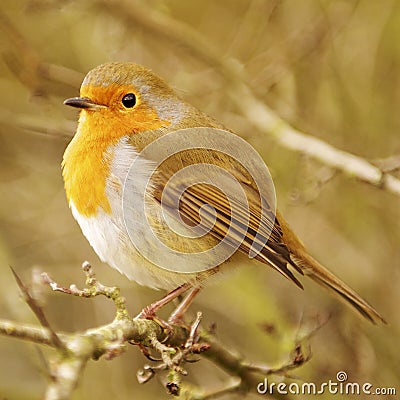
x=126, y=109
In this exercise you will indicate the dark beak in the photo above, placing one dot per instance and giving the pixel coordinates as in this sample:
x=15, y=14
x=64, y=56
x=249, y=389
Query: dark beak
x=83, y=103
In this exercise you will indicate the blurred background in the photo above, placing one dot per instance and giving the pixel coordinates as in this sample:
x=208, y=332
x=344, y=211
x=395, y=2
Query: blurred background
x=330, y=68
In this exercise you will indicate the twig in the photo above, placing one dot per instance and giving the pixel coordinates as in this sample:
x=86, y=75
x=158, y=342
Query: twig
x=390, y=164
x=26, y=332
x=228, y=389
x=39, y=125
x=26, y=63
x=298, y=358
x=38, y=311
x=236, y=366
x=193, y=330
x=95, y=288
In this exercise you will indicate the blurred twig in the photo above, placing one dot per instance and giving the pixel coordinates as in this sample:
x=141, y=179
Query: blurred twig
x=38, y=124
x=390, y=164
x=38, y=311
x=27, y=65
x=26, y=332
x=245, y=97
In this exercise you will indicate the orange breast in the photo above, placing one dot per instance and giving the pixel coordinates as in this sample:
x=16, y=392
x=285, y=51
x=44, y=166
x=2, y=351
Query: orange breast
x=86, y=166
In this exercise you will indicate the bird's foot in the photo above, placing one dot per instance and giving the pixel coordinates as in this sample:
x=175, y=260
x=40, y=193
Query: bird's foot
x=173, y=358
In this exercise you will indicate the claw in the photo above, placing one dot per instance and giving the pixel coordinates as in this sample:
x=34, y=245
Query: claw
x=172, y=358
x=191, y=360
x=149, y=313
x=146, y=352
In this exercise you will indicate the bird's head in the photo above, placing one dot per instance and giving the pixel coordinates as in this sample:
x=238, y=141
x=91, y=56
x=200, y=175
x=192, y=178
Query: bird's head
x=126, y=98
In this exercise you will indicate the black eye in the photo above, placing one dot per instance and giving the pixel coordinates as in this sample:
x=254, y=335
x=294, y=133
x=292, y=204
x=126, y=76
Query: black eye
x=129, y=100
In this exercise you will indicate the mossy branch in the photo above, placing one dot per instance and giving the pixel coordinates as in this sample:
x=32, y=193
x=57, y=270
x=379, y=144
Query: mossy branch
x=176, y=346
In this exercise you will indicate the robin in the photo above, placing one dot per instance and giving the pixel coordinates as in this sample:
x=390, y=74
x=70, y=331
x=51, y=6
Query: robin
x=125, y=108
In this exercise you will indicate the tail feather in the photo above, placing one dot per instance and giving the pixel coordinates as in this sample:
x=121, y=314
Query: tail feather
x=325, y=278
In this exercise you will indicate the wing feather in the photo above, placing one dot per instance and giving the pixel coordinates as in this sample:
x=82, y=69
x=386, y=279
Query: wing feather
x=241, y=225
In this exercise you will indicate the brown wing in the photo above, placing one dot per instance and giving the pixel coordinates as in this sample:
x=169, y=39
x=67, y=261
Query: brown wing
x=242, y=225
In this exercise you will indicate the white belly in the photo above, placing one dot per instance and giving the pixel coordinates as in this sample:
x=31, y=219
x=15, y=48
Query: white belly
x=107, y=233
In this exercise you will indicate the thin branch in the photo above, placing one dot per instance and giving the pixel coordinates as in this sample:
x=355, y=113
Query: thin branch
x=228, y=389
x=390, y=164
x=65, y=374
x=26, y=332
x=38, y=311
x=39, y=125
x=298, y=358
x=27, y=64
x=249, y=374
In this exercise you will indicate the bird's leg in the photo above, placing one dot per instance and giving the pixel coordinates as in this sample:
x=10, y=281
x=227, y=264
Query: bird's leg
x=149, y=312
x=172, y=357
x=176, y=316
